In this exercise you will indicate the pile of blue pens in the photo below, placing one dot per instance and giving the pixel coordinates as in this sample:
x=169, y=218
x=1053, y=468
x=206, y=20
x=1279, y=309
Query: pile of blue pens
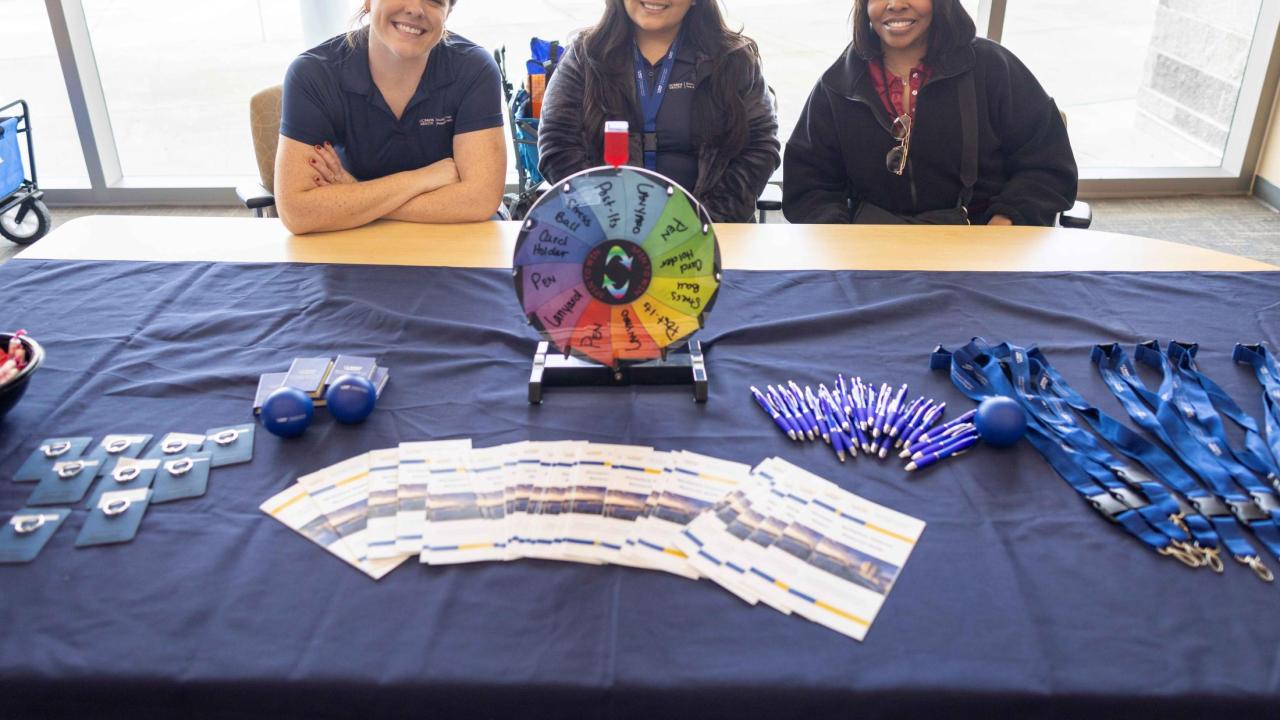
x=857, y=416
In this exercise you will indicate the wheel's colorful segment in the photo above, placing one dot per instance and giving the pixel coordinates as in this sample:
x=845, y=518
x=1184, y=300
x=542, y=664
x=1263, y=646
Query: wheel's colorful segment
x=616, y=264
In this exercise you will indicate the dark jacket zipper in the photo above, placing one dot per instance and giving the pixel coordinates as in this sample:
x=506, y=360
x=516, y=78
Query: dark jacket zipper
x=877, y=111
x=911, y=175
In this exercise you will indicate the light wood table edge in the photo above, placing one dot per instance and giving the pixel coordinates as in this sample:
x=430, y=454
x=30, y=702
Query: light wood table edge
x=743, y=247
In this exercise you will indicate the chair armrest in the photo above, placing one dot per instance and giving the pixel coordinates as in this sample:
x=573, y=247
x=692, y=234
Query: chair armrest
x=254, y=196
x=770, y=199
x=1080, y=216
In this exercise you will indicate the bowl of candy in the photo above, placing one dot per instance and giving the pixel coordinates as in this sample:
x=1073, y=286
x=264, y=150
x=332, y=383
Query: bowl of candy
x=20, y=357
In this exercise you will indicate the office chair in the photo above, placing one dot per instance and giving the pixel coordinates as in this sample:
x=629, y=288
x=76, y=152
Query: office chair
x=770, y=199
x=264, y=126
x=1080, y=216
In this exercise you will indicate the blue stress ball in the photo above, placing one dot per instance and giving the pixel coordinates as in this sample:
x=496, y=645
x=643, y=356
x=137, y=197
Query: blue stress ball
x=1001, y=421
x=287, y=412
x=351, y=398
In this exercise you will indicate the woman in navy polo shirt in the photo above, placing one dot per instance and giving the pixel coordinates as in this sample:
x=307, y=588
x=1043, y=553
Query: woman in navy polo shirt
x=883, y=137
x=398, y=120
x=713, y=129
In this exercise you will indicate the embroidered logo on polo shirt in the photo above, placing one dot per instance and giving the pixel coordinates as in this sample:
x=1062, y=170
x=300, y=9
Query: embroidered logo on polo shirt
x=683, y=86
x=435, y=122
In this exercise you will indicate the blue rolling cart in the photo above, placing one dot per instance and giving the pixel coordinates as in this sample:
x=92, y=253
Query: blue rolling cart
x=24, y=218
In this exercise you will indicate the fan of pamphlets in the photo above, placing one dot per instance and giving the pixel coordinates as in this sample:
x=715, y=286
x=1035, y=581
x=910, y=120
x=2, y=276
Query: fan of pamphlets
x=775, y=534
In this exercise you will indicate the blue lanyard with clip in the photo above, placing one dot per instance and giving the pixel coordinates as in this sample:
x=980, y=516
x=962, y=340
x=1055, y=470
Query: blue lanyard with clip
x=651, y=98
x=1165, y=511
x=1160, y=510
x=1206, y=397
x=1155, y=460
x=1166, y=423
x=1264, y=367
x=977, y=374
x=1195, y=407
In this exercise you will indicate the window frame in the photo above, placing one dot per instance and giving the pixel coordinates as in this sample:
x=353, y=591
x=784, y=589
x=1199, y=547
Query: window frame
x=109, y=185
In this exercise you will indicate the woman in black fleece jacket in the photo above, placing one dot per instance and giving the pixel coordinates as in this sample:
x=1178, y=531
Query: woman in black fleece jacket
x=920, y=52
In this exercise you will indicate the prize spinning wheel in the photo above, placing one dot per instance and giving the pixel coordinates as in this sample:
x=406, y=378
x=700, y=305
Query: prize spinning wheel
x=614, y=265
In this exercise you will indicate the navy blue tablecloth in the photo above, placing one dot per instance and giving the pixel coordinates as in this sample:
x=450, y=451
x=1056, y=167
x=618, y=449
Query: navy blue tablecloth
x=1018, y=601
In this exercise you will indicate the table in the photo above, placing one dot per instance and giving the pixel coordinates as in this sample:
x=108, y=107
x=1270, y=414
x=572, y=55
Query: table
x=1018, y=601
x=744, y=247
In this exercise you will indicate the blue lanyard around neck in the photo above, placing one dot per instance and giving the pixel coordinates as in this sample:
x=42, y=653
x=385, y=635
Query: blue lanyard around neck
x=651, y=98
x=1264, y=367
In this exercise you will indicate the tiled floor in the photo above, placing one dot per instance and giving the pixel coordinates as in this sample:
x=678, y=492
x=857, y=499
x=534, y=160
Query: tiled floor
x=1237, y=225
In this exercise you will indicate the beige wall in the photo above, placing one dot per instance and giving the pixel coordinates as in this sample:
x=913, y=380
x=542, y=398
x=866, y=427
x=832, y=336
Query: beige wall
x=1269, y=163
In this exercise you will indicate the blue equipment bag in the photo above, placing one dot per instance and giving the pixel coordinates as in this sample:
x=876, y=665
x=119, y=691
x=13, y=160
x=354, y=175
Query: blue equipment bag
x=546, y=56
x=542, y=61
x=527, y=130
x=11, y=176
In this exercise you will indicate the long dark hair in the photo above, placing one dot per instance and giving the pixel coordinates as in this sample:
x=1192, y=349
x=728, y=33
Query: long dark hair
x=950, y=28
x=606, y=58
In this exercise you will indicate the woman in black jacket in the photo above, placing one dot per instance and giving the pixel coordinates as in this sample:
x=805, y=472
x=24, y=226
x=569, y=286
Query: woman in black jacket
x=885, y=135
x=715, y=131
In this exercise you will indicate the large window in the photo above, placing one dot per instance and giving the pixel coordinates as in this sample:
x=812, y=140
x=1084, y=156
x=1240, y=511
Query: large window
x=31, y=71
x=177, y=78
x=1154, y=83
x=1159, y=94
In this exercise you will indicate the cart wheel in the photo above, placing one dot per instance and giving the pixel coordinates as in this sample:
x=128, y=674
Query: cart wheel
x=34, y=225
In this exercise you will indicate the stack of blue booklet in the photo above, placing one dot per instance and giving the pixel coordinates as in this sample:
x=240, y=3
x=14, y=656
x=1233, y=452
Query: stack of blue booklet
x=313, y=376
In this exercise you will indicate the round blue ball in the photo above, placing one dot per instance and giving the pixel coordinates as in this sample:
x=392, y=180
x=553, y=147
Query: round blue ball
x=287, y=412
x=1001, y=421
x=351, y=398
